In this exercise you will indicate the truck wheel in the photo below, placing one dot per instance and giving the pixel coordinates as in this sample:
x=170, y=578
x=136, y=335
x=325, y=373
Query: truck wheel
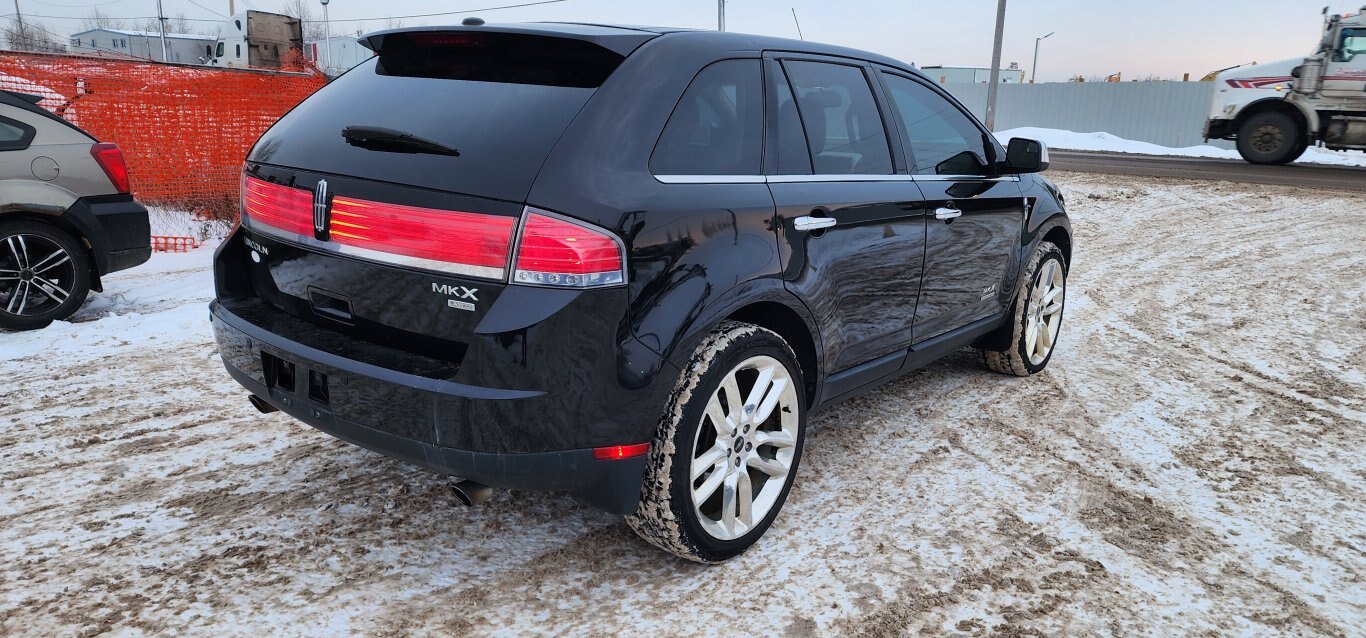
x=1036, y=316
x=727, y=447
x=1271, y=137
x=44, y=275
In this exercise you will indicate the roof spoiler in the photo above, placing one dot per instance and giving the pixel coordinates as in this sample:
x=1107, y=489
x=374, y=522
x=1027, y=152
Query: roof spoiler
x=621, y=41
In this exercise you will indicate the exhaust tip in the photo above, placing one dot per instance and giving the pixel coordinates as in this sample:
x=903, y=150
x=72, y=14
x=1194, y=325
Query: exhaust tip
x=471, y=493
x=261, y=405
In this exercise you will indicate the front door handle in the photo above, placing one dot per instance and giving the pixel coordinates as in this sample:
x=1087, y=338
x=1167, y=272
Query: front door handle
x=947, y=212
x=813, y=223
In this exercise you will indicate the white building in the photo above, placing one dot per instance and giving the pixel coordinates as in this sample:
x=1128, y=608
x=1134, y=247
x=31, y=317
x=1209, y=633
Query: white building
x=973, y=74
x=182, y=47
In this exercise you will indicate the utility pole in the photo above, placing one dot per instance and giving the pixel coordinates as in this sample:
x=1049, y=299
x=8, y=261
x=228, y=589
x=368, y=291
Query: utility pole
x=161, y=23
x=1034, y=70
x=996, y=65
x=720, y=15
x=23, y=35
x=327, y=40
x=232, y=10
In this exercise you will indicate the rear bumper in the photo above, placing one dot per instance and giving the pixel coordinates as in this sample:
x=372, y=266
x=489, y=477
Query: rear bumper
x=116, y=227
x=391, y=411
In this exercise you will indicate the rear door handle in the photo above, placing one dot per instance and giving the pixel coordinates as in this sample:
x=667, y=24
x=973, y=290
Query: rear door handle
x=947, y=212
x=813, y=223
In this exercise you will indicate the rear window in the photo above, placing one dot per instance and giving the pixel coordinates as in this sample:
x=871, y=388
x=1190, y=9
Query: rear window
x=500, y=100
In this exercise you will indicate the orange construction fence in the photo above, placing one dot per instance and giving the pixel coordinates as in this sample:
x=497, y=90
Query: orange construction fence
x=184, y=130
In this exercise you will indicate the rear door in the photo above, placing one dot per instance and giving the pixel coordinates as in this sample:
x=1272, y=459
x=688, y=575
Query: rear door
x=852, y=227
x=974, y=214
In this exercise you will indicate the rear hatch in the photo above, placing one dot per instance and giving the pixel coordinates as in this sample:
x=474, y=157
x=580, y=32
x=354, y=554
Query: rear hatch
x=387, y=204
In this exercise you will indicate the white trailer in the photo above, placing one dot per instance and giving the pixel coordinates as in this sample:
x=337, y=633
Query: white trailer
x=1276, y=111
x=257, y=39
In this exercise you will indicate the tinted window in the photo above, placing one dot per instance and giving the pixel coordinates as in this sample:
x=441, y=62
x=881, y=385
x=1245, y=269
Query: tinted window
x=14, y=135
x=941, y=139
x=717, y=127
x=504, y=130
x=843, y=128
x=489, y=57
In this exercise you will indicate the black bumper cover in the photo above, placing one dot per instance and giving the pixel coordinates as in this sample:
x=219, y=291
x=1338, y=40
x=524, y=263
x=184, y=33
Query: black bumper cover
x=116, y=227
x=612, y=485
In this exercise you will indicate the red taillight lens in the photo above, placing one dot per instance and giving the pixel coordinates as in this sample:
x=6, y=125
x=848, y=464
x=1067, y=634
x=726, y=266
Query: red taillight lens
x=618, y=452
x=554, y=252
x=288, y=209
x=110, y=158
x=475, y=241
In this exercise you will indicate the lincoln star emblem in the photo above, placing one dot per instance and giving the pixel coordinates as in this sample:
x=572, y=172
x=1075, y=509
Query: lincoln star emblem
x=321, y=202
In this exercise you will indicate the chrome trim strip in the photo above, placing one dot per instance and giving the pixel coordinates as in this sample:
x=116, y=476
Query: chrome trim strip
x=483, y=272
x=802, y=179
x=805, y=179
x=710, y=179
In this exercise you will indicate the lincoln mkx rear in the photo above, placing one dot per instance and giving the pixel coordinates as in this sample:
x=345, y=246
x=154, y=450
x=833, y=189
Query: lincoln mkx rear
x=625, y=263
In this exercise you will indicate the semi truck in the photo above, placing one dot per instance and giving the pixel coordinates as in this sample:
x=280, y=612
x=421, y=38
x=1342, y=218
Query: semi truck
x=1276, y=111
x=257, y=39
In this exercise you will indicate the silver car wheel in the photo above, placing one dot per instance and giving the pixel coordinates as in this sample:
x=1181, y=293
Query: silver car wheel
x=1045, y=314
x=744, y=447
x=36, y=274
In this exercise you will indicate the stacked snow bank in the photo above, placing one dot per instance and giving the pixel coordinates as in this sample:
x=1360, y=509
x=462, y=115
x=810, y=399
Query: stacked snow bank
x=1071, y=140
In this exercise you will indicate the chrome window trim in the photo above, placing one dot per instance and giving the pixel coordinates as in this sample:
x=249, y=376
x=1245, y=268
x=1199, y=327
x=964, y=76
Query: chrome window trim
x=805, y=179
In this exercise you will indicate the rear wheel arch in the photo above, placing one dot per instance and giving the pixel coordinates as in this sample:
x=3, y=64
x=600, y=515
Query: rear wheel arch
x=61, y=223
x=1059, y=237
x=789, y=325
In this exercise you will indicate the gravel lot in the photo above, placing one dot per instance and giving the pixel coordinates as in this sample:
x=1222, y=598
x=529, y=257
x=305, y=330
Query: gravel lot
x=1190, y=464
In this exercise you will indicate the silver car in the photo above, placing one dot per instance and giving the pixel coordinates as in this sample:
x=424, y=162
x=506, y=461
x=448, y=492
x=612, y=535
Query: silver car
x=67, y=217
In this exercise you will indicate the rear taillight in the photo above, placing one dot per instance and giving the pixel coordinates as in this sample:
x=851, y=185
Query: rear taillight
x=110, y=158
x=556, y=252
x=476, y=243
x=282, y=207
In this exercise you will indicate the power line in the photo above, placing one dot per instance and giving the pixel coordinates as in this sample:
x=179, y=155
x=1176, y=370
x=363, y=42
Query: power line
x=206, y=9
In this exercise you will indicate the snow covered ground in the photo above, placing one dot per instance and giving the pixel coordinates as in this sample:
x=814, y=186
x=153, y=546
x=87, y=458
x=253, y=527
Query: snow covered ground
x=1071, y=140
x=1190, y=464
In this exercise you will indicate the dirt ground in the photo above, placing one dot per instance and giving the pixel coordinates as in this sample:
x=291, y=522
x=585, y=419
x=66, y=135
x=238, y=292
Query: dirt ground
x=1191, y=463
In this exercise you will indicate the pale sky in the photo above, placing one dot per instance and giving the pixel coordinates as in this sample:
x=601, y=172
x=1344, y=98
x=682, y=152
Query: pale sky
x=1162, y=37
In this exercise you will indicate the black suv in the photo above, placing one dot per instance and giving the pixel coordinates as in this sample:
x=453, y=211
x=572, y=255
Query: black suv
x=624, y=262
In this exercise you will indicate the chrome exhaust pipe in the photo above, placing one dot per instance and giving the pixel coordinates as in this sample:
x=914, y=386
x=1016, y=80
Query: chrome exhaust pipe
x=260, y=404
x=471, y=493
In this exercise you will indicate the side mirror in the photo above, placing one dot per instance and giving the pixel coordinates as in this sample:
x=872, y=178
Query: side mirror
x=1026, y=156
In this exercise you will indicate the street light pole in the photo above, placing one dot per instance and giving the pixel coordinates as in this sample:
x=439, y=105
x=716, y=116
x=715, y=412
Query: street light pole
x=720, y=15
x=327, y=39
x=161, y=24
x=1034, y=70
x=996, y=65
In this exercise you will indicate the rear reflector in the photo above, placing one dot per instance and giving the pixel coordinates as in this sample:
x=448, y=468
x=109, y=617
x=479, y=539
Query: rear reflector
x=450, y=241
x=618, y=452
x=554, y=252
x=110, y=158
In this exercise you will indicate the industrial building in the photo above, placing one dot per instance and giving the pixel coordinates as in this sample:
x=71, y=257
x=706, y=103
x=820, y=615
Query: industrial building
x=181, y=47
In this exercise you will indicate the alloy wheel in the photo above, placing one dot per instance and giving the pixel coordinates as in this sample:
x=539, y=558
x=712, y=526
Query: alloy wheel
x=1045, y=317
x=36, y=275
x=744, y=448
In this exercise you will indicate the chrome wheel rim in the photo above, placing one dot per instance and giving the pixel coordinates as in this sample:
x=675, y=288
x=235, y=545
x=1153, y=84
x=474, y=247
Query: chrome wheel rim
x=1045, y=312
x=1268, y=138
x=744, y=448
x=36, y=275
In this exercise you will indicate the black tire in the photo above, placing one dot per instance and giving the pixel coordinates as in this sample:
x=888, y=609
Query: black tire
x=1014, y=358
x=1271, y=137
x=32, y=299
x=666, y=516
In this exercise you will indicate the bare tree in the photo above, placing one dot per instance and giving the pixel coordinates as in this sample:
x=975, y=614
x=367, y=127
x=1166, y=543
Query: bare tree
x=97, y=19
x=30, y=36
x=179, y=24
x=313, y=28
x=392, y=23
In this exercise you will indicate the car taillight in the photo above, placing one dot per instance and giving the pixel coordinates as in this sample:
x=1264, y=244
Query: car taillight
x=278, y=206
x=555, y=252
x=476, y=244
x=110, y=158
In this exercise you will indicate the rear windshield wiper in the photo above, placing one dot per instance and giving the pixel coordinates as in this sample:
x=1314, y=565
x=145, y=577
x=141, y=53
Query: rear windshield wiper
x=390, y=140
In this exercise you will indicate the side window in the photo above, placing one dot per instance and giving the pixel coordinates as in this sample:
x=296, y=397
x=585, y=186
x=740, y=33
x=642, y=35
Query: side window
x=717, y=127
x=843, y=128
x=1353, y=44
x=14, y=135
x=794, y=158
x=941, y=139
x=219, y=54
x=239, y=51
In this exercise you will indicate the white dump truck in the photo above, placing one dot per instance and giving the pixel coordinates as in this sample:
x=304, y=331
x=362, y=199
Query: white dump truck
x=257, y=39
x=1275, y=111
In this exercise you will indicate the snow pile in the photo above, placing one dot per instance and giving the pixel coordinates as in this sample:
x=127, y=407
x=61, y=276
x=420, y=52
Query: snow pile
x=1071, y=140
